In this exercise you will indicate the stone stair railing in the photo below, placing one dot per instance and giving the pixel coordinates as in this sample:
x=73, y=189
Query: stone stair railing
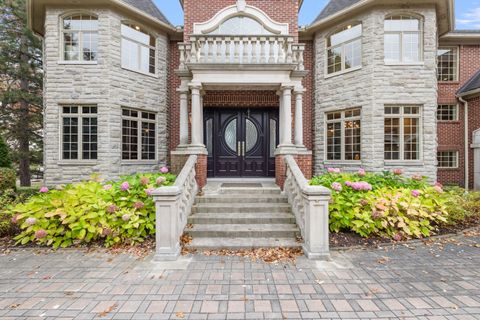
x=310, y=207
x=222, y=49
x=173, y=206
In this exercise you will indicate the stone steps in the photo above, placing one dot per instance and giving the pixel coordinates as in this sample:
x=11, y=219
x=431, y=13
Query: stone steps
x=242, y=218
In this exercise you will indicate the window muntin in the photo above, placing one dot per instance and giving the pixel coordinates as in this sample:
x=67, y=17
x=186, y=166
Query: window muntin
x=344, y=49
x=447, y=59
x=344, y=135
x=403, y=39
x=402, y=133
x=241, y=25
x=447, y=159
x=80, y=37
x=138, y=135
x=447, y=112
x=138, y=49
x=79, y=133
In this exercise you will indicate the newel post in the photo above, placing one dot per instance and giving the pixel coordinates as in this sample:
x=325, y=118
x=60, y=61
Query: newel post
x=316, y=234
x=167, y=223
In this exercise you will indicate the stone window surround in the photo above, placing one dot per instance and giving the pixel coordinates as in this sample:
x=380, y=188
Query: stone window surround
x=61, y=54
x=402, y=161
x=151, y=34
x=421, y=32
x=457, y=69
x=327, y=48
x=79, y=115
x=456, y=112
x=456, y=158
x=342, y=143
x=139, y=160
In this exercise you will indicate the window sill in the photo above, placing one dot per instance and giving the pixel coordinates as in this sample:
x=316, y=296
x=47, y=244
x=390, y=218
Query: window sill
x=448, y=169
x=90, y=63
x=404, y=163
x=449, y=121
x=137, y=162
x=449, y=82
x=406, y=64
x=339, y=73
x=142, y=73
x=342, y=162
x=77, y=163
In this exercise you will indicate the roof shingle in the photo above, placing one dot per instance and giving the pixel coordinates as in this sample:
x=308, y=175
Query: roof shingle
x=335, y=6
x=471, y=85
x=149, y=8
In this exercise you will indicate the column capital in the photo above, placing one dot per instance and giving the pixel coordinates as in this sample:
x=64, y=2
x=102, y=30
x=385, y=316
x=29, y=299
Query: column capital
x=286, y=87
x=195, y=86
x=299, y=90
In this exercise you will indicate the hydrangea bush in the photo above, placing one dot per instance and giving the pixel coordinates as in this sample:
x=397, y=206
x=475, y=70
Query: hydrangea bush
x=386, y=205
x=114, y=212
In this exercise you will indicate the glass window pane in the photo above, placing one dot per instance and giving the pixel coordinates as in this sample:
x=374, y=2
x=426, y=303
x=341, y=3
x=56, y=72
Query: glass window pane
x=273, y=137
x=231, y=135
x=349, y=33
x=411, y=47
x=251, y=133
x=402, y=23
x=135, y=34
x=392, y=47
x=71, y=46
x=130, y=52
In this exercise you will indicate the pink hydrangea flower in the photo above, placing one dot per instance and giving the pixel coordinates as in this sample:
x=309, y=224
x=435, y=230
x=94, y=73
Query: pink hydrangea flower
x=398, y=172
x=43, y=190
x=125, y=186
x=348, y=183
x=361, y=172
x=107, y=187
x=337, y=186
x=106, y=231
x=397, y=237
x=144, y=181
x=333, y=170
x=415, y=193
x=15, y=219
x=438, y=189
x=138, y=205
x=112, y=208
x=377, y=214
x=360, y=186
x=161, y=180
x=149, y=191
x=417, y=177
x=40, y=234
x=438, y=184
x=126, y=217
x=164, y=170
x=31, y=221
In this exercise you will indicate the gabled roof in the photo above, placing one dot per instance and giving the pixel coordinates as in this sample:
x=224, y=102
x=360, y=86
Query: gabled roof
x=472, y=85
x=149, y=7
x=333, y=7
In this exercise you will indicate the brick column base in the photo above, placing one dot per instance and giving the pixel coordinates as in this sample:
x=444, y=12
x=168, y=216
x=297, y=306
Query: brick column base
x=201, y=170
x=178, y=158
x=177, y=162
x=304, y=161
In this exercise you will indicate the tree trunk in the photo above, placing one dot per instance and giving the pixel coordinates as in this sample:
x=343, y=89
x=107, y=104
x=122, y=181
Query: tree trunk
x=23, y=123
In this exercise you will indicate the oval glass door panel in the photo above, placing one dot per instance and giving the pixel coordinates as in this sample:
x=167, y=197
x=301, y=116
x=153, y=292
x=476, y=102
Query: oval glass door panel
x=231, y=135
x=251, y=135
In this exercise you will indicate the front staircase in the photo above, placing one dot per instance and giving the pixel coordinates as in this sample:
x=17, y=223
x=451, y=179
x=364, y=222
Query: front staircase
x=239, y=216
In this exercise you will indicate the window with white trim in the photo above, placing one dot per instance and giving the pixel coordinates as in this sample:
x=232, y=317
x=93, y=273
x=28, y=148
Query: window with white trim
x=402, y=133
x=80, y=37
x=241, y=25
x=447, y=59
x=79, y=132
x=344, y=135
x=138, y=49
x=138, y=135
x=447, y=112
x=447, y=159
x=344, y=49
x=403, y=39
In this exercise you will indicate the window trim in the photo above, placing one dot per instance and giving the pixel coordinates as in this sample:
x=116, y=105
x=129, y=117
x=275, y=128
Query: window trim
x=421, y=40
x=457, y=69
x=80, y=116
x=342, y=120
x=343, y=45
x=61, y=52
x=139, y=46
x=140, y=120
x=457, y=157
x=402, y=117
x=457, y=112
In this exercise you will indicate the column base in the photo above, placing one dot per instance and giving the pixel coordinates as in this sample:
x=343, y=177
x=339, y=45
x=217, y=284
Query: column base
x=325, y=256
x=167, y=255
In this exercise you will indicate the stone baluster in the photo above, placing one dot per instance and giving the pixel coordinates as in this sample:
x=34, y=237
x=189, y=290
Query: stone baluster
x=181, y=49
x=301, y=50
x=193, y=54
x=289, y=50
x=236, y=50
x=188, y=52
x=245, y=58
x=219, y=44
x=254, y=49
x=263, y=58
x=228, y=42
x=271, y=43
x=281, y=50
x=294, y=54
x=210, y=43
x=201, y=49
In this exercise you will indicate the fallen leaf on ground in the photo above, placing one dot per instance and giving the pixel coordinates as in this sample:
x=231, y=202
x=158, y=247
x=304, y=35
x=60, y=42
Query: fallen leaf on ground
x=383, y=260
x=180, y=315
x=14, y=306
x=268, y=255
x=105, y=312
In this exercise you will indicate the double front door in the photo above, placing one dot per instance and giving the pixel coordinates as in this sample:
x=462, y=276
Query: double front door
x=241, y=142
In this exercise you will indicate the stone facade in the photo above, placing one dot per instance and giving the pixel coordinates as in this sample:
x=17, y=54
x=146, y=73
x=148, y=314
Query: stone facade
x=376, y=85
x=106, y=85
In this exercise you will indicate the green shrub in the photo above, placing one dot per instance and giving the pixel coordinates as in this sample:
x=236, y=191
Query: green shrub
x=5, y=159
x=8, y=179
x=462, y=206
x=8, y=199
x=385, y=205
x=115, y=212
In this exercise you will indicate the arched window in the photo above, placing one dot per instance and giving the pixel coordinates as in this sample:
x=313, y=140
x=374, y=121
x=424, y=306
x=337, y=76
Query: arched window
x=403, y=39
x=241, y=25
x=138, y=49
x=80, y=37
x=344, y=49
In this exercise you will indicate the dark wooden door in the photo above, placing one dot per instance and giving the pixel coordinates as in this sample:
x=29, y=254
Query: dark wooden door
x=241, y=142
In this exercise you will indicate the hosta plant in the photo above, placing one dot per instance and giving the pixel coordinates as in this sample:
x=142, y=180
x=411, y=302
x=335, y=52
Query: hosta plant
x=115, y=212
x=385, y=205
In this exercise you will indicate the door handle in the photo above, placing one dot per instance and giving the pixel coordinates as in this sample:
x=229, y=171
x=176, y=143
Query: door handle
x=243, y=148
x=239, y=148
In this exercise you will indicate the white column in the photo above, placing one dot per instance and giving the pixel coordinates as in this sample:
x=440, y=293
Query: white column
x=286, y=117
x=183, y=117
x=280, y=116
x=197, y=125
x=202, y=93
x=299, y=118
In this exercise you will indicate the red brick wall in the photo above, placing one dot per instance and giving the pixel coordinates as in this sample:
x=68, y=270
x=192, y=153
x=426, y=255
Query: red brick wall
x=308, y=103
x=173, y=99
x=285, y=11
x=451, y=134
x=473, y=124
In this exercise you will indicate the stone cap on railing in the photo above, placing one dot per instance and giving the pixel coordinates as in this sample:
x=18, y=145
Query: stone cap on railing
x=304, y=184
x=177, y=187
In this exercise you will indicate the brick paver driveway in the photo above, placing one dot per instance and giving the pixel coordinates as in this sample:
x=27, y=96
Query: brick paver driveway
x=434, y=281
